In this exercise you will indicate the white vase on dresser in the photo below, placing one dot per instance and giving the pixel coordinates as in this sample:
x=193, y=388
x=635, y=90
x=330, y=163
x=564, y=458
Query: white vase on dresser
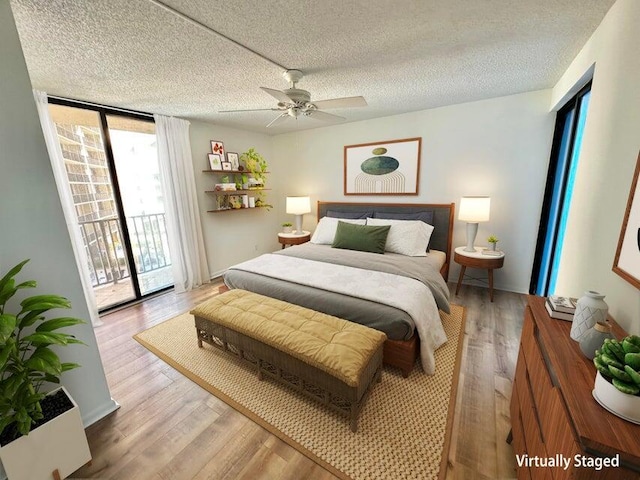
x=591, y=308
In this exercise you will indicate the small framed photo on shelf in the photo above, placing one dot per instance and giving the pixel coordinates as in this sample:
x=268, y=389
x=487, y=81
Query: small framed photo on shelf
x=233, y=159
x=215, y=161
x=217, y=147
x=226, y=166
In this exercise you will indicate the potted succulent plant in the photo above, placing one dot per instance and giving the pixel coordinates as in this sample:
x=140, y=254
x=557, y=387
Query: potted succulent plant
x=493, y=241
x=286, y=227
x=617, y=386
x=39, y=432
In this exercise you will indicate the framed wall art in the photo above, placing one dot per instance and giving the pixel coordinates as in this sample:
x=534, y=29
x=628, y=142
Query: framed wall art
x=627, y=260
x=234, y=160
x=217, y=147
x=382, y=168
x=215, y=161
x=226, y=166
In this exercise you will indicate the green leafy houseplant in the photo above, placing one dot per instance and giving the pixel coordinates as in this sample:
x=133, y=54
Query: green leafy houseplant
x=619, y=363
x=255, y=164
x=287, y=224
x=493, y=239
x=26, y=358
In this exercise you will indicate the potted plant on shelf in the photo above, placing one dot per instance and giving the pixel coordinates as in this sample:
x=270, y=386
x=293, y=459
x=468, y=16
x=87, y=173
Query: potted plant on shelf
x=255, y=164
x=286, y=227
x=39, y=432
x=493, y=241
x=617, y=385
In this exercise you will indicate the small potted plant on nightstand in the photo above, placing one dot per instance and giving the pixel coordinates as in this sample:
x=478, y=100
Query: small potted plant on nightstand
x=286, y=227
x=493, y=241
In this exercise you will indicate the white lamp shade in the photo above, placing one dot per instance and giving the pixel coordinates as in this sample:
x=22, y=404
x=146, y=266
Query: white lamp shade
x=298, y=205
x=474, y=209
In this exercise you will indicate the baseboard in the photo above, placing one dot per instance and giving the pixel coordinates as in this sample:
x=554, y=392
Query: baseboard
x=97, y=414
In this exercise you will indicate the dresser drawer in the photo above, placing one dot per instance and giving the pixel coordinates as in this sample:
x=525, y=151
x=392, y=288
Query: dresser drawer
x=538, y=373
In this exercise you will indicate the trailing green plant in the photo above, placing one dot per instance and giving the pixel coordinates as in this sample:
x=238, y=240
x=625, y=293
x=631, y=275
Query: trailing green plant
x=255, y=164
x=493, y=239
x=619, y=362
x=26, y=358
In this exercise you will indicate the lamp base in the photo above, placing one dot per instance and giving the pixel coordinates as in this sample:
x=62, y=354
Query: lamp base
x=472, y=231
x=298, y=230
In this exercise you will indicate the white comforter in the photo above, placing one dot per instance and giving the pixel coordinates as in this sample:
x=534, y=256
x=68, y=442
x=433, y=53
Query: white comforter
x=403, y=293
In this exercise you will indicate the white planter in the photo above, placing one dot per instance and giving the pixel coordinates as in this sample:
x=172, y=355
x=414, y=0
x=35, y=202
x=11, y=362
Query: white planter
x=59, y=444
x=621, y=404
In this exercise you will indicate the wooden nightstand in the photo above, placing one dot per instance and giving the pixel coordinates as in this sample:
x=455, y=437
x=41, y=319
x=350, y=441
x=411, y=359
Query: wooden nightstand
x=477, y=260
x=293, y=238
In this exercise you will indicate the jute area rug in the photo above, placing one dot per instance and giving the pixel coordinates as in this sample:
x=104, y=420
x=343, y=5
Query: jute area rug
x=404, y=427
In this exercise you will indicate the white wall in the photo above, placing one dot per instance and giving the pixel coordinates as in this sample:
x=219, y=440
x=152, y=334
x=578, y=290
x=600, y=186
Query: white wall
x=234, y=236
x=499, y=147
x=607, y=161
x=32, y=222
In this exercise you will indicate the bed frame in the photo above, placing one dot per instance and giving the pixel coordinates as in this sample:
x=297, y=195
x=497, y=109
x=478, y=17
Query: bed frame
x=403, y=353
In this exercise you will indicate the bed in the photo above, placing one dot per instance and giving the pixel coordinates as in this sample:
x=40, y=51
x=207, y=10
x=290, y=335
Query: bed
x=286, y=275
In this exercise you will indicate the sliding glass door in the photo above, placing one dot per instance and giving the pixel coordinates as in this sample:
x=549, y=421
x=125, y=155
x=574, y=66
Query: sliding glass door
x=563, y=165
x=112, y=169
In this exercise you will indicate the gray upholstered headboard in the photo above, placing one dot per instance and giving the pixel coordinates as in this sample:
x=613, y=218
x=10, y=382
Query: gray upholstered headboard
x=443, y=216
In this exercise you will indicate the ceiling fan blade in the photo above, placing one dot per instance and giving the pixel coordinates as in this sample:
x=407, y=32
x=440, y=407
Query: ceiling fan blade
x=279, y=119
x=346, y=102
x=277, y=94
x=324, y=116
x=251, y=110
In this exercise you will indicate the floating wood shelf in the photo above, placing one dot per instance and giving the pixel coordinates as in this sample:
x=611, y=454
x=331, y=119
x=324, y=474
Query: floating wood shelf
x=234, y=209
x=235, y=192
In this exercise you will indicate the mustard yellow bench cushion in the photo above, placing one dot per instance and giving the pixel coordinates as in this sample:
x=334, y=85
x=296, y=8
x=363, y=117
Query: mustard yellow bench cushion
x=340, y=348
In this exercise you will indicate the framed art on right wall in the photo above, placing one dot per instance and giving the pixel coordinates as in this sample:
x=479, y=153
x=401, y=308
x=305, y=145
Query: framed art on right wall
x=627, y=260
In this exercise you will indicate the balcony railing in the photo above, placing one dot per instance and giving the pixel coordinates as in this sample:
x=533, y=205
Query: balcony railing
x=104, y=244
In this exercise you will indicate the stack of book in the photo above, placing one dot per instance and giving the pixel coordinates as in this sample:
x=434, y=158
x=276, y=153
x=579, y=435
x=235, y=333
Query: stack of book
x=493, y=253
x=561, y=308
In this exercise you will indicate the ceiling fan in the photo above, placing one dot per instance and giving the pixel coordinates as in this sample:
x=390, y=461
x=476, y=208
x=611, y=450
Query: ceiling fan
x=294, y=102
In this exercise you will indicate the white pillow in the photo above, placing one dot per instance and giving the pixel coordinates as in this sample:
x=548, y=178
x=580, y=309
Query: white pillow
x=326, y=229
x=406, y=237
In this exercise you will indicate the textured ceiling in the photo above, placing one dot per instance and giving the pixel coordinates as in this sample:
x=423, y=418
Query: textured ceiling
x=401, y=55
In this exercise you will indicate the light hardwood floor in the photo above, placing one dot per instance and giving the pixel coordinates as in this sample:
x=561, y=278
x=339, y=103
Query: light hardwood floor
x=170, y=428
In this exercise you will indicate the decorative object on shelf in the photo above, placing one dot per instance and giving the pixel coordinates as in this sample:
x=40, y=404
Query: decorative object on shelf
x=215, y=161
x=474, y=209
x=226, y=166
x=232, y=158
x=383, y=168
x=563, y=304
x=39, y=432
x=252, y=202
x=298, y=206
x=593, y=339
x=590, y=308
x=218, y=147
x=627, y=260
x=493, y=241
x=286, y=227
x=617, y=386
x=255, y=164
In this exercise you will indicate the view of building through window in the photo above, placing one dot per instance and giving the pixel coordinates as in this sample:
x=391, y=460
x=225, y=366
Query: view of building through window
x=109, y=246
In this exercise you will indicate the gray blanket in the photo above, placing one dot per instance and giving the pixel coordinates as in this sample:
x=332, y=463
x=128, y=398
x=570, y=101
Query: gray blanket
x=418, y=268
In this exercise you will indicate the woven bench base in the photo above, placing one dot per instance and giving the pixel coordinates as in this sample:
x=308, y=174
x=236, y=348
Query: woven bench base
x=315, y=383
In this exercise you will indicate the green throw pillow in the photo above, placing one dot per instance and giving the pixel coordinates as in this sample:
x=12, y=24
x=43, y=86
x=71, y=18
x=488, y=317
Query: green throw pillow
x=365, y=238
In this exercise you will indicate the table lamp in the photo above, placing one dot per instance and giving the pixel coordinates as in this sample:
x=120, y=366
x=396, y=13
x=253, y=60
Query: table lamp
x=472, y=211
x=298, y=206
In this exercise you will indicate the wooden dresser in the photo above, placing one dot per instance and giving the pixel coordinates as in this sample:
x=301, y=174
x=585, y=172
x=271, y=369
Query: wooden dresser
x=553, y=411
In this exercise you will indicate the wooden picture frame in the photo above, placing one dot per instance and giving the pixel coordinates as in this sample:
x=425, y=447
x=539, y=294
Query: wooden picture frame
x=627, y=259
x=391, y=167
x=234, y=160
x=218, y=147
x=215, y=161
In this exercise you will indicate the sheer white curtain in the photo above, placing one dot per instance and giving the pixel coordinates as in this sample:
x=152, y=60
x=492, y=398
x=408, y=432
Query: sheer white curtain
x=188, y=256
x=66, y=198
